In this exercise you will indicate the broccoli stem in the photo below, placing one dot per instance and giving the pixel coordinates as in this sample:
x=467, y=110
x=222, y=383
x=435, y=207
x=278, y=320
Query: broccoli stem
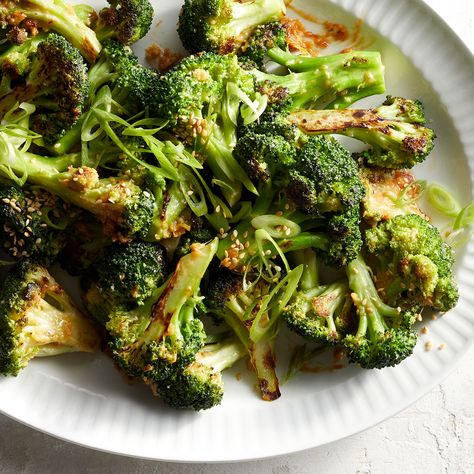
x=221, y=355
x=337, y=80
x=246, y=16
x=310, y=277
x=57, y=16
x=170, y=206
x=182, y=286
x=262, y=357
x=371, y=308
x=364, y=125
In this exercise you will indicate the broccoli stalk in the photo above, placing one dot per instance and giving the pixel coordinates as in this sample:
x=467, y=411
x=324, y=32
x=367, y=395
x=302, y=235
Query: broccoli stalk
x=253, y=311
x=394, y=130
x=384, y=336
x=124, y=20
x=123, y=207
x=38, y=319
x=163, y=335
x=334, y=81
x=199, y=385
x=221, y=26
x=54, y=15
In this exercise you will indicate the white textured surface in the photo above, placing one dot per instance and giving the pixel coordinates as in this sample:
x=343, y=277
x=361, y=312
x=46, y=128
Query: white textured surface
x=435, y=435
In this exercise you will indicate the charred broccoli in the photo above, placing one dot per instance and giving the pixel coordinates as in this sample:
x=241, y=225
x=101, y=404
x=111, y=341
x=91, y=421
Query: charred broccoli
x=38, y=319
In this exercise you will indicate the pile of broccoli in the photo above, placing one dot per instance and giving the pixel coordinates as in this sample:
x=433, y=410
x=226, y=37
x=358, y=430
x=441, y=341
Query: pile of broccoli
x=203, y=207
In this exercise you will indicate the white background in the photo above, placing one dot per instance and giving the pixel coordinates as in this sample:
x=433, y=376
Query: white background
x=435, y=435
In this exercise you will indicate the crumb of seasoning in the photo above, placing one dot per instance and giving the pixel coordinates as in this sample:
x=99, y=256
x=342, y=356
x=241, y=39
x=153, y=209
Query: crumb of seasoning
x=424, y=330
x=442, y=346
x=238, y=376
x=161, y=58
x=434, y=317
x=429, y=346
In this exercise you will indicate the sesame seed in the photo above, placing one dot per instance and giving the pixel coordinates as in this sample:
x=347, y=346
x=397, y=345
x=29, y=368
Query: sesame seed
x=242, y=255
x=268, y=252
x=429, y=346
x=419, y=317
x=277, y=268
x=218, y=209
x=287, y=231
x=399, y=310
x=424, y=330
x=38, y=241
x=442, y=346
x=221, y=230
x=190, y=192
x=235, y=233
x=355, y=271
x=434, y=317
x=245, y=234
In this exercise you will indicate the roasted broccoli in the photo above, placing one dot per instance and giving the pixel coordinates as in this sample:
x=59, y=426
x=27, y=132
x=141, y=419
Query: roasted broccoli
x=38, y=319
x=199, y=385
x=29, y=16
x=264, y=38
x=126, y=276
x=395, y=130
x=334, y=81
x=161, y=336
x=252, y=308
x=33, y=222
x=52, y=76
x=389, y=193
x=129, y=85
x=124, y=20
x=414, y=264
x=384, y=335
x=124, y=208
x=203, y=98
x=222, y=26
x=320, y=313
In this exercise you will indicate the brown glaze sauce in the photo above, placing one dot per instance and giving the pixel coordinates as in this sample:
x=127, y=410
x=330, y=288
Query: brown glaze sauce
x=308, y=42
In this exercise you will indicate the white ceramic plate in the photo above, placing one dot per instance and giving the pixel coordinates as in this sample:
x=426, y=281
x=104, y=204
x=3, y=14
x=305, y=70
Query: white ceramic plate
x=82, y=399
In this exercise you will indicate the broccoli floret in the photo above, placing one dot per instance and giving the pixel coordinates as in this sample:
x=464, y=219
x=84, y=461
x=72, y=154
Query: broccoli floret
x=199, y=385
x=384, y=336
x=414, y=262
x=389, y=193
x=227, y=299
x=264, y=38
x=54, y=80
x=124, y=208
x=16, y=61
x=222, y=26
x=126, y=275
x=125, y=20
x=84, y=245
x=38, y=318
x=334, y=81
x=203, y=98
x=320, y=313
x=130, y=84
x=395, y=130
x=325, y=178
x=163, y=335
x=200, y=232
x=33, y=222
x=51, y=15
